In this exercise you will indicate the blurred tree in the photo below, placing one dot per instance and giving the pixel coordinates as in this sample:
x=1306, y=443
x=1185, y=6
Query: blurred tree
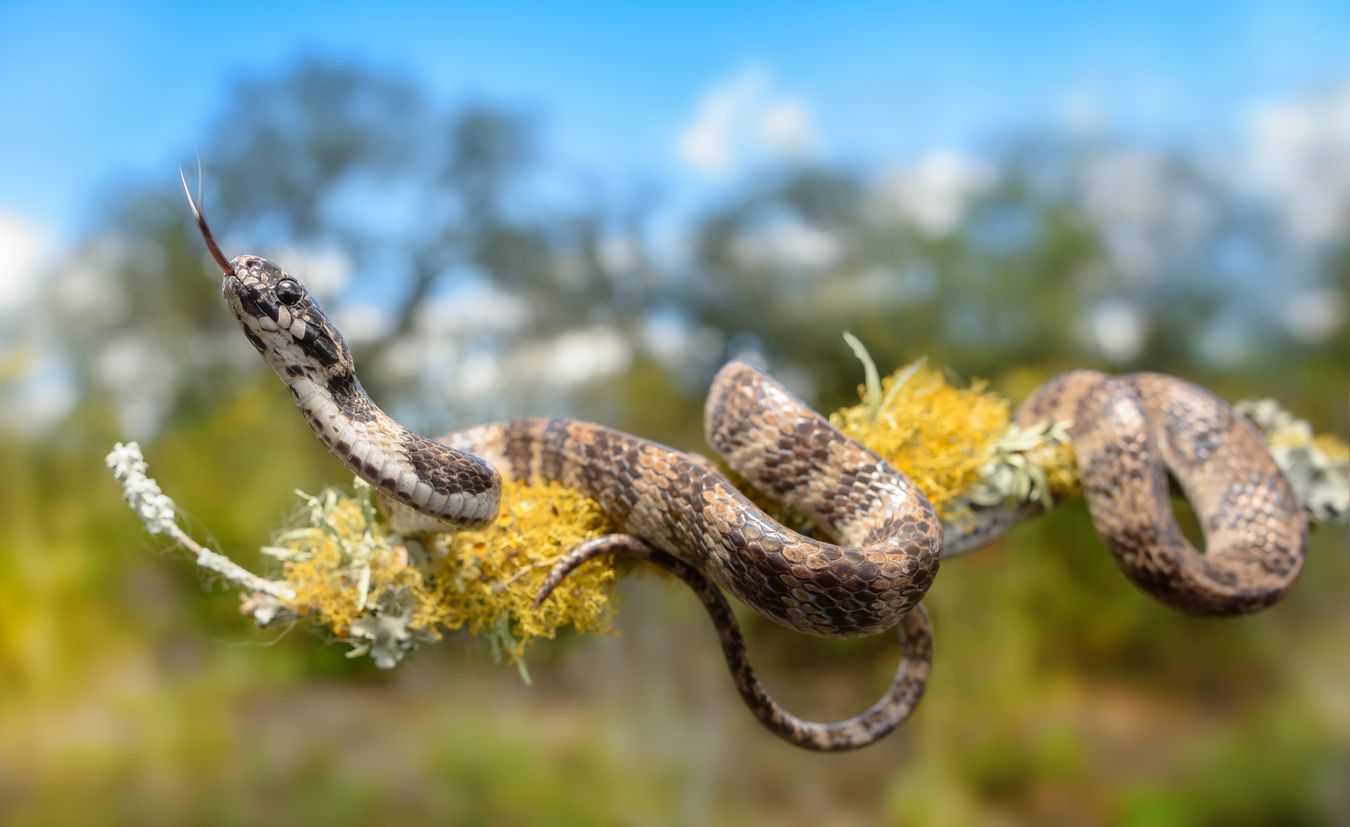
x=431, y=235
x=285, y=146
x=1061, y=254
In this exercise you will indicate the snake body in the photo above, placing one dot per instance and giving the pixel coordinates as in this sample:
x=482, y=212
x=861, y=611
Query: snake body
x=889, y=535
x=1128, y=433
x=678, y=511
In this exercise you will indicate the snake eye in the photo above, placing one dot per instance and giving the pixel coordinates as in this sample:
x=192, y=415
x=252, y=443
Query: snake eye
x=289, y=291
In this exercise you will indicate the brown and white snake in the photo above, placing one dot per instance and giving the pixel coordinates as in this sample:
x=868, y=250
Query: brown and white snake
x=678, y=511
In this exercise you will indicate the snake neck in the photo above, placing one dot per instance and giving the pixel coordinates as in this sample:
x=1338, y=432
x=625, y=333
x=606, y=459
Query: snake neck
x=452, y=487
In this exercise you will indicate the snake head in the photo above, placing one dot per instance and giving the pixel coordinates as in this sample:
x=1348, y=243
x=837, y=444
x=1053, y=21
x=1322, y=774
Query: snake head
x=283, y=321
x=279, y=317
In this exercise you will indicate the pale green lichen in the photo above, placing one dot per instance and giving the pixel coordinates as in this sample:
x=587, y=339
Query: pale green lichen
x=159, y=515
x=1028, y=465
x=1318, y=467
x=155, y=510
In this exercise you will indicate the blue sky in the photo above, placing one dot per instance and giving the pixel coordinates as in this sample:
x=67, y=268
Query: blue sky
x=97, y=93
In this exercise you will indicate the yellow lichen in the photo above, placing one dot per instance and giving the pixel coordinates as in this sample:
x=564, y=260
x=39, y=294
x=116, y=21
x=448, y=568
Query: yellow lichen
x=1335, y=448
x=940, y=435
x=347, y=569
x=486, y=580
x=328, y=586
x=1058, y=461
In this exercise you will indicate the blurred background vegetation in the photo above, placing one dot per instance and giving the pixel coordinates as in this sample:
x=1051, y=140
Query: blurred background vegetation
x=133, y=690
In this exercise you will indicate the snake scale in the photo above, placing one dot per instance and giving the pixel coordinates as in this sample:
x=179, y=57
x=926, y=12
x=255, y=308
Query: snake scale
x=678, y=511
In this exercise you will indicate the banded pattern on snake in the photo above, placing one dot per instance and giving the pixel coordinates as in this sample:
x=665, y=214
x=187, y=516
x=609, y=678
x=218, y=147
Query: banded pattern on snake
x=678, y=511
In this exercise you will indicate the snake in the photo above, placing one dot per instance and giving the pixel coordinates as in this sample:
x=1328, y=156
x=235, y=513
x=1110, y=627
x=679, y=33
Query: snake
x=878, y=541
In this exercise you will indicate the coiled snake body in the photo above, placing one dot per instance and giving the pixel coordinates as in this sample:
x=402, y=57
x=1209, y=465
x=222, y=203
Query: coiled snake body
x=678, y=511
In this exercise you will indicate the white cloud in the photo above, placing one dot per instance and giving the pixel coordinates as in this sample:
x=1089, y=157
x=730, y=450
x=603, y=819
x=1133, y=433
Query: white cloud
x=83, y=290
x=483, y=379
x=1119, y=330
x=786, y=128
x=676, y=343
x=705, y=144
x=475, y=307
x=1314, y=315
x=1083, y=111
x=1300, y=158
x=572, y=358
x=934, y=192
x=619, y=254
x=39, y=395
x=361, y=322
x=25, y=248
x=788, y=241
x=478, y=375
x=323, y=271
x=1146, y=210
x=744, y=118
x=406, y=358
x=141, y=377
x=35, y=384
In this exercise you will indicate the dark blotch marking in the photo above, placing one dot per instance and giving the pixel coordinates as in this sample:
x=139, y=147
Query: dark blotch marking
x=447, y=470
x=553, y=441
x=318, y=346
x=350, y=397
x=255, y=341
x=518, y=447
x=257, y=303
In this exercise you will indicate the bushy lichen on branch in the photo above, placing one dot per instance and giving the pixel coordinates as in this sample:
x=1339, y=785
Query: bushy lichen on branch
x=957, y=444
x=389, y=593
x=343, y=567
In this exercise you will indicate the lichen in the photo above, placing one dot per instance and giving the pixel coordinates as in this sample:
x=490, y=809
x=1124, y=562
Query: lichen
x=487, y=579
x=387, y=594
x=1317, y=466
x=1034, y=464
x=940, y=435
x=155, y=510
